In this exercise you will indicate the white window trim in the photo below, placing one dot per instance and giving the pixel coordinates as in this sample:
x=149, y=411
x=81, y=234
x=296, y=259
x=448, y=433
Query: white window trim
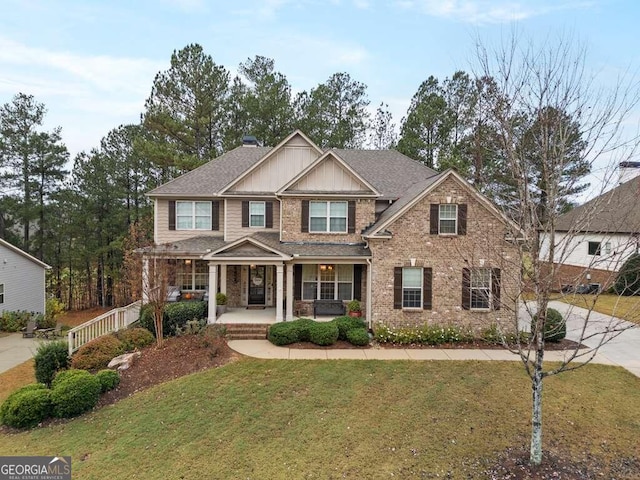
x=192, y=274
x=193, y=215
x=336, y=284
x=420, y=307
x=328, y=216
x=489, y=288
x=598, y=250
x=1, y=293
x=264, y=214
x=455, y=219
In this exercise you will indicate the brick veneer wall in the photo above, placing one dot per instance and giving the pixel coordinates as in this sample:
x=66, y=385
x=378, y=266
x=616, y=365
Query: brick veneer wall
x=292, y=227
x=574, y=275
x=482, y=246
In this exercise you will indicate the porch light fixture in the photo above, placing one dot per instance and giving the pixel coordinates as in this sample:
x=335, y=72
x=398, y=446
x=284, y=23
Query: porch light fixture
x=187, y=261
x=323, y=267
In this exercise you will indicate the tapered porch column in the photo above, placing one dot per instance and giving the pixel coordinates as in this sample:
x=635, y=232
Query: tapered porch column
x=289, y=292
x=213, y=289
x=145, y=280
x=223, y=279
x=279, y=292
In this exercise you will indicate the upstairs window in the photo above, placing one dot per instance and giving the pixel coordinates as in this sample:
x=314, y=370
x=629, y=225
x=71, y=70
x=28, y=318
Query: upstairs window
x=448, y=219
x=257, y=215
x=328, y=217
x=594, y=248
x=193, y=215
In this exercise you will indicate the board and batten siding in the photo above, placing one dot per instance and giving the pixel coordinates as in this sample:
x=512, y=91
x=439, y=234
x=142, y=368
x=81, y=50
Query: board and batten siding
x=277, y=170
x=234, y=229
x=164, y=235
x=329, y=176
x=23, y=280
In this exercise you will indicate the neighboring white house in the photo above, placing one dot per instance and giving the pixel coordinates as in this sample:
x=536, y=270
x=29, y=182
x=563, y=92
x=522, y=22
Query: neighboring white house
x=593, y=240
x=22, y=280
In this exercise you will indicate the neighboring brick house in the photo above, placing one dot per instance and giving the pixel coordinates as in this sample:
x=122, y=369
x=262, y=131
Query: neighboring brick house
x=281, y=227
x=593, y=240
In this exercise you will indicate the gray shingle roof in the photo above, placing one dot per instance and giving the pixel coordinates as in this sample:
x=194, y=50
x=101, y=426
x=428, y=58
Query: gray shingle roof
x=211, y=177
x=313, y=249
x=191, y=246
x=615, y=211
x=389, y=171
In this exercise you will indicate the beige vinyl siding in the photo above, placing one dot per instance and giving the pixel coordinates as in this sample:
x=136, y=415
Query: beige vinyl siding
x=277, y=170
x=329, y=176
x=164, y=235
x=234, y=228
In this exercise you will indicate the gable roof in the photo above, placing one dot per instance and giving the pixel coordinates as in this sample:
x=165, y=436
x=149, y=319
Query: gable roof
x=323, y=158
x=208, y=179
x=418, y=191
x=15, y=249
x=615, y=211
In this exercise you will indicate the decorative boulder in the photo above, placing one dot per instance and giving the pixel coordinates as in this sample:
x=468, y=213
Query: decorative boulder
x=124, y=361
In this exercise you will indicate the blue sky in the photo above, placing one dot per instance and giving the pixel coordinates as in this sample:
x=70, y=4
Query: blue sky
x=93, y=63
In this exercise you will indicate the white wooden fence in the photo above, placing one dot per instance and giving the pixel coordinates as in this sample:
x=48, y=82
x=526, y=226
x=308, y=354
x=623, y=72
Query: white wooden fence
x=109, y=322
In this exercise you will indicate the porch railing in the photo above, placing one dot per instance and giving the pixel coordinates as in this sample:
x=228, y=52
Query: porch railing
x=109, y=322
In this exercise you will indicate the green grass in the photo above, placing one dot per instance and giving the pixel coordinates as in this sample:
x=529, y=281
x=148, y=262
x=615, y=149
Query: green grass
x=272, y=419
x=627, y=308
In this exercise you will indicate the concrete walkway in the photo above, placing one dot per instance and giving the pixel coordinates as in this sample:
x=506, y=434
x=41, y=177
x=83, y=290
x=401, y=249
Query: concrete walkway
x=15, y=350
x=623, y=351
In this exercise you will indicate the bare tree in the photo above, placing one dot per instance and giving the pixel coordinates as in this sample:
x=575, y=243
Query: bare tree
x=158, y=274
x=551, y=116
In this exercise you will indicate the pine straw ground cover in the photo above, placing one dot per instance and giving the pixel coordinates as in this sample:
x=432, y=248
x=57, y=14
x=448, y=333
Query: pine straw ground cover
x=272, y=419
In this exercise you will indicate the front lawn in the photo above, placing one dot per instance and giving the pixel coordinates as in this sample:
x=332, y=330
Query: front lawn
x=271, y=419
x=627, y=308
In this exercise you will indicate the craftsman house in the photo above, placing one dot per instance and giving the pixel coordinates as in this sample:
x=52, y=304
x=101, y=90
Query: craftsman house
x=286, y=227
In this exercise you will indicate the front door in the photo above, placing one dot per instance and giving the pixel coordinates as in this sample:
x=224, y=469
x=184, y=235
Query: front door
x=257, y=284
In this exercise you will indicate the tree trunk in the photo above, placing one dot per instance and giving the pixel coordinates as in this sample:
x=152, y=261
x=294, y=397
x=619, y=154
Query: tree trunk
x=535, y=455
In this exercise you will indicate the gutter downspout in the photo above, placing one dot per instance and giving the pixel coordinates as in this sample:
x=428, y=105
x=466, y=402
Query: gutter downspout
x=369, y=290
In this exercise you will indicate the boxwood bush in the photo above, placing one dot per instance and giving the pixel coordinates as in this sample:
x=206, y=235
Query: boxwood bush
x=62, y=375
x=358, y=337
x=284, y=333
x=50, y=357
x=555, y=328
x=323, y=333
x=347, y=323
x=97, y=354
x=27, y=406
x=109, y=379
x=135, y=338
x=75, y=395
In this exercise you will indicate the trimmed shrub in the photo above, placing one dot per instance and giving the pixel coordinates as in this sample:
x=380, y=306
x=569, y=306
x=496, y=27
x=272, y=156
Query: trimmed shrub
x=176, y=315
x=358, y=337
x=304, y=325
x=49, y=359
x=323, y=333
x=135, y=338
x=346, y=323
x=97, y=354
x=146, y=318
x=628, y=279
x=109, y=379
x=77, y=394
x=555, y=328
x=284, y=333
x=62, y=375
x=27, y=406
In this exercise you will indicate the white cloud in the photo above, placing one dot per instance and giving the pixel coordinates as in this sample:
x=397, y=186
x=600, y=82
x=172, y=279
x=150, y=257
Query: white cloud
x=490, y=11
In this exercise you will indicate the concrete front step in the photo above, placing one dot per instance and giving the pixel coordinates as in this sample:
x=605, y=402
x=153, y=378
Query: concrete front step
x=243, y=331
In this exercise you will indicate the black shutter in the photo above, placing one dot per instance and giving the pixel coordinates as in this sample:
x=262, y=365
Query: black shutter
x=297, y=282
x=357, y=282
x=434, y=216
x=495, y=287
x=268, y=218
x=351, y=217
x=466, y=289
x=215, y=215
x=245, y=214
x=172, y=214
x=427, y=279
x=397, y=288
x=304, y=220
x=462, y=219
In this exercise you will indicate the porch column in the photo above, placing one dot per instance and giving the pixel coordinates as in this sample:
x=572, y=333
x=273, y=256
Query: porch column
x=279, y=291
x=223, y=279
x=289, y=292
x=145, y=280
x=213, y=289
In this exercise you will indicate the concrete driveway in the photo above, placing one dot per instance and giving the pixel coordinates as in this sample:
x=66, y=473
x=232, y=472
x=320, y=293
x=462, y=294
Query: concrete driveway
x=14, y=350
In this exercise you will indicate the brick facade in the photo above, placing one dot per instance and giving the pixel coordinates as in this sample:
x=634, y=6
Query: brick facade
x=483, y=245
